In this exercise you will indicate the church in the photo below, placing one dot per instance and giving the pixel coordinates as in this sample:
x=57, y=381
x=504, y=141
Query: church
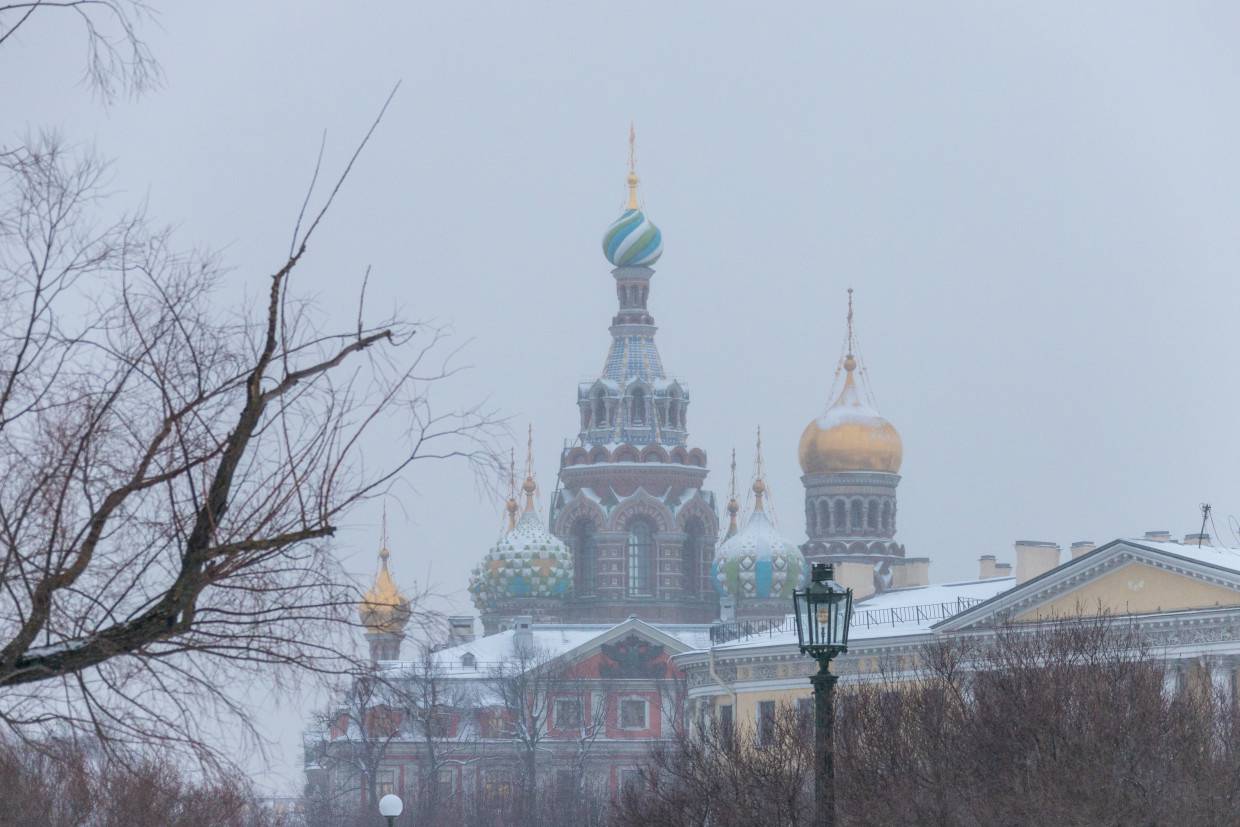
x=641, y=599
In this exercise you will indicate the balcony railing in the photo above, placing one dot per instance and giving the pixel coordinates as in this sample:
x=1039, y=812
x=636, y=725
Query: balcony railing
x=862, y=618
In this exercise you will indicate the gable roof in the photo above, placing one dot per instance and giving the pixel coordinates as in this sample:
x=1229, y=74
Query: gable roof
x=1208, y=564
x=555, y=642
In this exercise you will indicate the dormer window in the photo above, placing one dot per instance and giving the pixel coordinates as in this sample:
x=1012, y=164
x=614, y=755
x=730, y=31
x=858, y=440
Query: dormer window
x=468, y=661
x=637, y=416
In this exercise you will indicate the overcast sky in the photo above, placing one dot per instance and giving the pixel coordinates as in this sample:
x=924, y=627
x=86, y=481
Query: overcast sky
x=1036, y=204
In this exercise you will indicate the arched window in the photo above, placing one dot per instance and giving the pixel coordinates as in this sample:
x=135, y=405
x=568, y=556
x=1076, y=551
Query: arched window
x=600, y=410
x=856, y=520
x=637, y=414
x=824, y=517
x=888, y=522
x=695, y=542
x=640, y=558
x=871, y=515
x=585, y=554
x=840, y=524
x=673, y=413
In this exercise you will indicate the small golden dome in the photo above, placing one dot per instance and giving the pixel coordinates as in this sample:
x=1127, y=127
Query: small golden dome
x=383, y=607
x=850, y=436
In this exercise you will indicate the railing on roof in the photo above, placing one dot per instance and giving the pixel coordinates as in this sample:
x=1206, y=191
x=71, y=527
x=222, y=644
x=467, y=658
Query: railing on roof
x=862, y=619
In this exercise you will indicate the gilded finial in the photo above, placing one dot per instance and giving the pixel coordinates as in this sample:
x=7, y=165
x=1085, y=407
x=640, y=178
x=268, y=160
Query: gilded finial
x=529, y=486
x=733, y=506
x=850, y=360
x=511, y=505
x=384, y=553
x=632, y=205
x=759, y=484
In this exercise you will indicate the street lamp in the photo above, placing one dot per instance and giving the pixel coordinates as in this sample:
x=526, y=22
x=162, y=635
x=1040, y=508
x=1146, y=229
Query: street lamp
x=391, y=806
x=823, y=611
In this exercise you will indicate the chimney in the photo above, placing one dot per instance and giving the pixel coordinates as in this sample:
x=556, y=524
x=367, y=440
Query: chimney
x=1034, y=558
x=523, y=634
x=1158, y=536
x=1082, y=547
x=1003, y=569
x=986, y=565
x=460, y=629
x=1197, y=540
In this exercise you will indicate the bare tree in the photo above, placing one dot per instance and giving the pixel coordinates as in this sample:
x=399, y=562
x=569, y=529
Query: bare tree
x=1070, y=723
x=522, y=684
x=429, y=700
x=62, y=784
x=171, y=475
x=117, y=57
x=355, y=734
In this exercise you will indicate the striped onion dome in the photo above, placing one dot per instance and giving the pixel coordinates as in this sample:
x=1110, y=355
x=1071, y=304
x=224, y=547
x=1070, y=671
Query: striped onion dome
x=633, y=240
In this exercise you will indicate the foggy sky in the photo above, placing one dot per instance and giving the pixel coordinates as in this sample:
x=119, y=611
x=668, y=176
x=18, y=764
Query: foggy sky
x=1036, y=206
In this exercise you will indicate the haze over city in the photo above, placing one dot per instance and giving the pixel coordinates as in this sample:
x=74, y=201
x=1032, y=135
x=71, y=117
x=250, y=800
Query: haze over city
x=1033, y=204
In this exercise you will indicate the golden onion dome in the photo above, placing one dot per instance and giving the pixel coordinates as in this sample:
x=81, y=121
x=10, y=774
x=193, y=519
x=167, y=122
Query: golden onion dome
x=383, y=608
x=850, y=436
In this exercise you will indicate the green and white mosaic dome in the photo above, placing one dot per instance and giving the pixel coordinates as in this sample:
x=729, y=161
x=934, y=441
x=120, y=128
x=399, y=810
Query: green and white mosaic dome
x=527, y=562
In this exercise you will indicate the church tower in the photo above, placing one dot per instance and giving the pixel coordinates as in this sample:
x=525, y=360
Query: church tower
x=630, y=505
x=851, y=459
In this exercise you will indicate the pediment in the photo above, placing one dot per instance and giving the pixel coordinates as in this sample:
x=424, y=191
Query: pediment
x=1121, y=578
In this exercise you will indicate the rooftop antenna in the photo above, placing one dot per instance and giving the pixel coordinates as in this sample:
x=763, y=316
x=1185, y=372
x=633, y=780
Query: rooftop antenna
x=1205, y=515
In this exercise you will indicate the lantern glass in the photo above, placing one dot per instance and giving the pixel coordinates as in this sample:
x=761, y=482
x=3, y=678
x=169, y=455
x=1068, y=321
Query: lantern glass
x=823, y=614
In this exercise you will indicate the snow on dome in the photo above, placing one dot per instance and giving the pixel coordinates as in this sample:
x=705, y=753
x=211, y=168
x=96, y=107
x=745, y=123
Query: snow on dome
x=850, y=436
x=527, y=562
x=758, y=563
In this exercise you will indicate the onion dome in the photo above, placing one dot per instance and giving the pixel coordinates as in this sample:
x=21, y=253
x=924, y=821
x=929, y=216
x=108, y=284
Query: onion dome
x=632, y=240
x=527, y=562
x=851, y=435
x=383, y=608
x=757, y=562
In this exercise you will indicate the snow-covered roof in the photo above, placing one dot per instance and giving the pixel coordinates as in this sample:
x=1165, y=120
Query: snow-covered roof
x=1218, y=556
x=550, y=641
x=896, y=613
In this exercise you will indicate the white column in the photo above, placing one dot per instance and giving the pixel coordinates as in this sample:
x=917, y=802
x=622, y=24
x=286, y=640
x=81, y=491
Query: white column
x=1222, y=676
x=1171, y=678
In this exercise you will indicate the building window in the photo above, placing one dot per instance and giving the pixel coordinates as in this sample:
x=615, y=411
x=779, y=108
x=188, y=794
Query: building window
x=641, y=558
x=468, y=661
x=637, y=413
x=857, y=520
x=633, y=713
x=600, y=411
x=630, y=781
x=567, y=713
x=585, y=552
x=692, y=555
x=385, y=782
x=565, y=782
x=725, y=723
x=445, y=783
x=440, y=723
x=497, y=785
x=766, y=722
x=805, y=716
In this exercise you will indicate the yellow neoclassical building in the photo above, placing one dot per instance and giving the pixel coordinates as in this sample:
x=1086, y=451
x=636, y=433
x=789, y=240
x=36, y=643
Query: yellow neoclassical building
x=1183, y=596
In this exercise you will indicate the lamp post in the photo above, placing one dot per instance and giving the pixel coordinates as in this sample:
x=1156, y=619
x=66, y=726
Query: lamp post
x=391, y=806
x=823, y=612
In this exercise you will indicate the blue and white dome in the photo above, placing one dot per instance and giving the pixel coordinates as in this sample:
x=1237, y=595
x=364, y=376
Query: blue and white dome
x=527, y=562
x=633, y=240
x=757, y=563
